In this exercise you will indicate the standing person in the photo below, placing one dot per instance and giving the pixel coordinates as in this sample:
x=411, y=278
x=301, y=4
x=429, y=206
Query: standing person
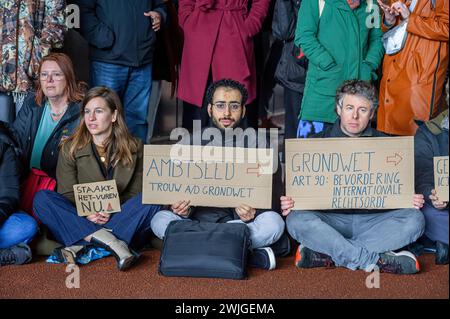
x=218, y=43
x=101, y=149
x=413, y=78
x=342, y=41
x=16, y=228
x=29, y=29
x=355, y=238
x=291, y=71
x=121, y=36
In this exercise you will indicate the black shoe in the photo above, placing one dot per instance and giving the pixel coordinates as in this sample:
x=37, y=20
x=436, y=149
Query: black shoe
x=282, y=247
x=441, y=253
x=308, y=258
x=263, y=258
x=15, y=255
x=402, y=262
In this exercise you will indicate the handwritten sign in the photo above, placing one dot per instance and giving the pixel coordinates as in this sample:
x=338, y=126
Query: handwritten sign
x=101, y=197
x=441, y=177
x=350, y=173
x=207, y=176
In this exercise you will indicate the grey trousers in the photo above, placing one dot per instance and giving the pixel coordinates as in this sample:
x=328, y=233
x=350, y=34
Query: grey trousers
x=354, y=241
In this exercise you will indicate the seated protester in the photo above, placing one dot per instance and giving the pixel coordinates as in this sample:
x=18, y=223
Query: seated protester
x=355, y=239
x=16, y=228
x=431, y=140
x=101, y=149
x=226, y=109
x=50, y=115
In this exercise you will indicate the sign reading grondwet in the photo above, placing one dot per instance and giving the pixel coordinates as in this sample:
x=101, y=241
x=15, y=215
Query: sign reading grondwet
x=441, y=177
x=350, y=173
x=207, y=176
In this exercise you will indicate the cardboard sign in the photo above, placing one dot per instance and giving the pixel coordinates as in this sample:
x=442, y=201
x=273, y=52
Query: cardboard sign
x=101, y=197
x=441, y=177
x=350, y=173
x=207, y=176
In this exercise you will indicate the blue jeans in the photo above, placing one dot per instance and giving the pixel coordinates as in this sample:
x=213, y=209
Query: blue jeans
x=355, y=241
x=18, y=228
x=132, y=224
x=133, y=85
x=436, y=223
x=265, y=229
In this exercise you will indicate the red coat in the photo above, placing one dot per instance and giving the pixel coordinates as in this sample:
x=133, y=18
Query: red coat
x=218, y=36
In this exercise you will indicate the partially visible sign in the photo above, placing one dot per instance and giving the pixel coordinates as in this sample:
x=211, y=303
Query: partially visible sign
x=207, y=176
x=350, y=173
x=100, y=197
x=441, y=177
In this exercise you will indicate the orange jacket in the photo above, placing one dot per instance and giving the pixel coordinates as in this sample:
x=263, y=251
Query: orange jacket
x=413, y=79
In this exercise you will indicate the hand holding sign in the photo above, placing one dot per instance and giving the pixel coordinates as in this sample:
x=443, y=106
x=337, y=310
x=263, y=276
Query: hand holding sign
x=437, y=203
x=98, y=218
x=245, y=212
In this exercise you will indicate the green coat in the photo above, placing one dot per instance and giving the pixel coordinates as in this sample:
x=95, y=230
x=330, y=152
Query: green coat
x=86, y=169
x=339, y=47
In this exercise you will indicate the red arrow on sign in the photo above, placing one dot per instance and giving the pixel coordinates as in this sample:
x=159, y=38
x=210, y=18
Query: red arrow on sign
x=394, y=159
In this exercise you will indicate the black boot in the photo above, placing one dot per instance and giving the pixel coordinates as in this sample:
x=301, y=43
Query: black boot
x=125, y=258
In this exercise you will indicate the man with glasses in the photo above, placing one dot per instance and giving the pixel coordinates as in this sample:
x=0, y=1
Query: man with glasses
x=355, y=239
x=226, y=108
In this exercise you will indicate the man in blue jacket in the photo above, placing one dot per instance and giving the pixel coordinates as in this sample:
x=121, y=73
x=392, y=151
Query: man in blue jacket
x=16, y=228
x=121, y=36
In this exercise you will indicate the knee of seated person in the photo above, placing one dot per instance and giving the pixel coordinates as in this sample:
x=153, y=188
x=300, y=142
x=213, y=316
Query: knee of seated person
x=420, y=221
x=160, y=222
x=163, y=216
x=414, y=224
x=29, y=226
x=274, y=222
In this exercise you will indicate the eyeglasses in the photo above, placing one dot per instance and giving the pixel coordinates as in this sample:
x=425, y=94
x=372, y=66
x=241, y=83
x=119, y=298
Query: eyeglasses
x=56, y=76
x=234, y=106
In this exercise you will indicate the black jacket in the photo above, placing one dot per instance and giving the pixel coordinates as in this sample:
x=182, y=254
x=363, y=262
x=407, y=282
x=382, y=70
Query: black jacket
x=9, y=173
x=335, y=131
x=25, y=128
x=117, y=30
x=290, y=72
x=220, y=214
x=430, y=140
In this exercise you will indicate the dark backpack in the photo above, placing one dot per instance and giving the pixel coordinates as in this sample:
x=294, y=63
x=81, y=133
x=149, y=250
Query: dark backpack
x=291, y=69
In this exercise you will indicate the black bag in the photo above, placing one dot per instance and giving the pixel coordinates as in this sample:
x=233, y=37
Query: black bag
x=201, y=249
